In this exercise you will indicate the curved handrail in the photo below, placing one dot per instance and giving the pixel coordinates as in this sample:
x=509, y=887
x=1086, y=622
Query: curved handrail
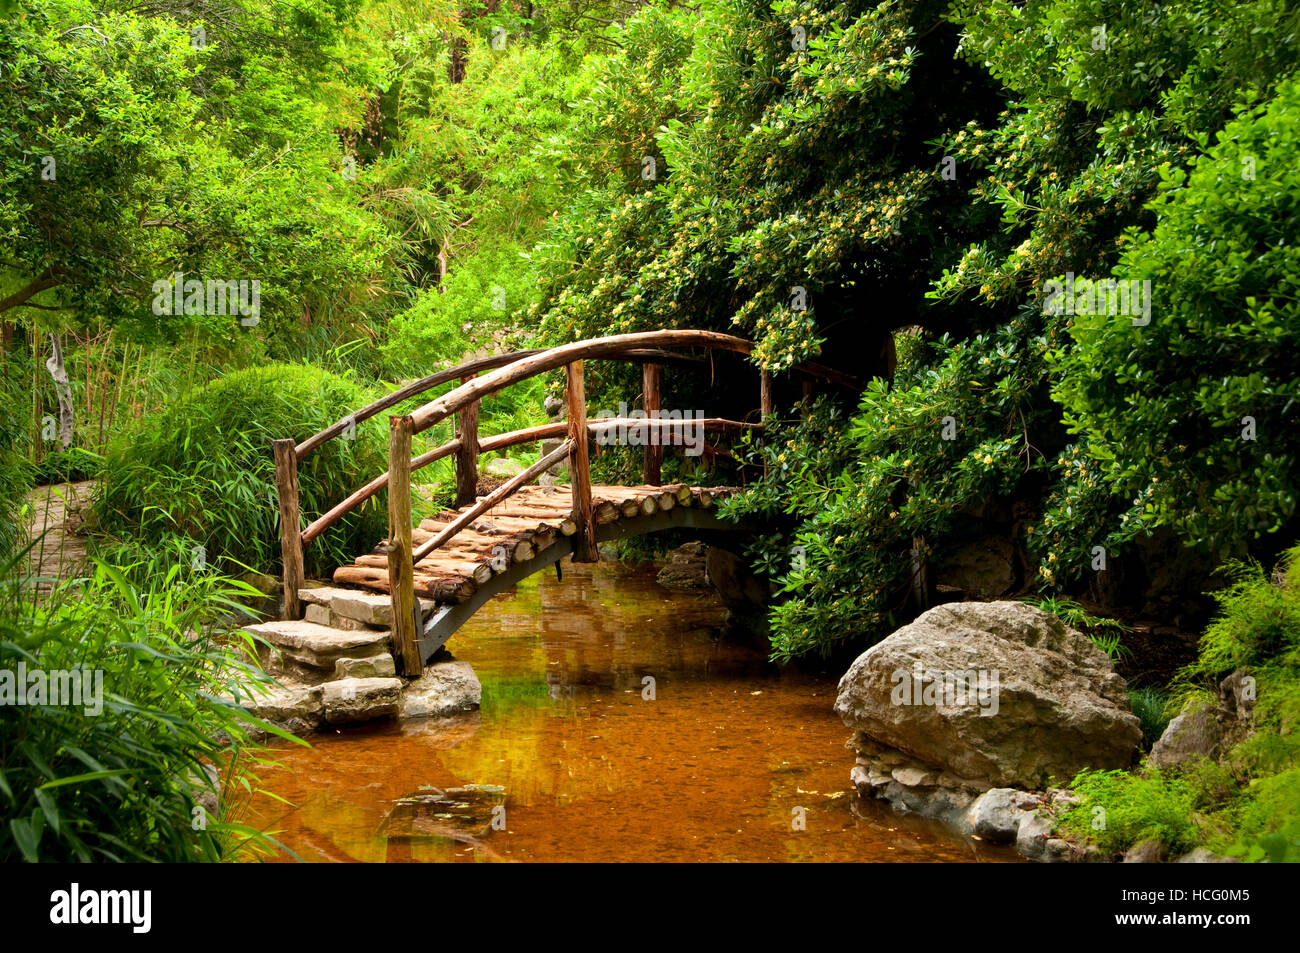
x=501, y=442
x=424, y=417
x=468, y=369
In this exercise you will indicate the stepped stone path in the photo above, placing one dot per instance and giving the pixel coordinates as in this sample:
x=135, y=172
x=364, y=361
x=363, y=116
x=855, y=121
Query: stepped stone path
x=516, y=530
x=335, y=666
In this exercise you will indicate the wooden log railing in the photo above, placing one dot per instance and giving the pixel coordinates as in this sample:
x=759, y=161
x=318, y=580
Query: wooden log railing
x=478, y=379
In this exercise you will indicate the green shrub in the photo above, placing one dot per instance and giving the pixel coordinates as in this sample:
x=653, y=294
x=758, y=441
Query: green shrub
x=1188, y=414
x=67, y=466
x=863, y=490
x=15, y=471
x=1136, y=808
x=1248, y=803
x=202, y=470
x=122, y=783
x=1269, y=822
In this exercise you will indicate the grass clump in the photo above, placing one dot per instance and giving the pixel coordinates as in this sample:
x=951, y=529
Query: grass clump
x=201, y=472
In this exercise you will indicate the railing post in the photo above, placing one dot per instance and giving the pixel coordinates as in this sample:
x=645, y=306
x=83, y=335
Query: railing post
x=467, y=456
x=584, y=514
x=401, y=569
x=654, y=451
x=286, y=489
x=765, y=393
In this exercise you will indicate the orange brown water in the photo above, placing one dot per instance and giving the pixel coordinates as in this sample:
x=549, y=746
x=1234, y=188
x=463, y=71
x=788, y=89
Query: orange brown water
x=720, y=765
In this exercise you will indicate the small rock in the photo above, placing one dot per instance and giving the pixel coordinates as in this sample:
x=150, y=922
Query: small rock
x=996, y=815
x=1032, y=835
x=1150, y=851
x=1056, y=851
x=1192, y=734
x=1203, y=855
x=503, y=467
x=441, y=689
x=685, y=568
x=295, y=708
x=913, y=776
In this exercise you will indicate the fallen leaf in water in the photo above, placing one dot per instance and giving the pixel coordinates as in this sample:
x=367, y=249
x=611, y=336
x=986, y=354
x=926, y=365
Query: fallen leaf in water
x=756, y=693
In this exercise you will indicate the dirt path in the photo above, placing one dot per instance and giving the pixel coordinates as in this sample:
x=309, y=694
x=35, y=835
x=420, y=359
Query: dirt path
x=56, y=511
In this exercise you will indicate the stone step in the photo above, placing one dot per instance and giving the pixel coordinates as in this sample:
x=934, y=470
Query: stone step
x=361, y=699
x=319, y=646
x=347, y=607
x=295, y=707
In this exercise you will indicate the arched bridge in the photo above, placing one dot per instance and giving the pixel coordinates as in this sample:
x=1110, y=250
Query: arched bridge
x=438, y=574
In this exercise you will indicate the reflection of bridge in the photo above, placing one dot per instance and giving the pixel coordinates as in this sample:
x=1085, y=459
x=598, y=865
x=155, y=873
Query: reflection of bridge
x=460, y=559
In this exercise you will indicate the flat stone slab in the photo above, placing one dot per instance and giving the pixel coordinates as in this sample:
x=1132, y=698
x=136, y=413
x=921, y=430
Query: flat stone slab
x=368, y=608
x=319, y=646
x=361, y=699
x=376, y=666
x=289, y=705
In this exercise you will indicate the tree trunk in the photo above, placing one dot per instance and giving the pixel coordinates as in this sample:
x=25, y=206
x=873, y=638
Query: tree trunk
x=60, y=374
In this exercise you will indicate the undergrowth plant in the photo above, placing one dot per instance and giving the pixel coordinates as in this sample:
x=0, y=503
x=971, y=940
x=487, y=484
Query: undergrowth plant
x=1105, y=633
x=121, y=775
x=1246, y=803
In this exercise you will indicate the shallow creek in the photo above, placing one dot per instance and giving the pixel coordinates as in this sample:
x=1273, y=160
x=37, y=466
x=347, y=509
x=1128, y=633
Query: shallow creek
x=573, y=761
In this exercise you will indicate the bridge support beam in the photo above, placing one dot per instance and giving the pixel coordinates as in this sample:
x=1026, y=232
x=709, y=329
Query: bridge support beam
x=401, y=566
x=584, y=513
x=467, y=455
x=286, y=489
x=654, y=451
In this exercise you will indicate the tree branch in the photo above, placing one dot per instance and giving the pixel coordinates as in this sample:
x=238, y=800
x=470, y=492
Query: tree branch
x=46, y=281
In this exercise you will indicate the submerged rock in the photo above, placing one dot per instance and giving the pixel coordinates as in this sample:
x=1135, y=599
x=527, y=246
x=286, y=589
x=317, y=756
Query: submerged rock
x=685, y=568
x=1001, y=692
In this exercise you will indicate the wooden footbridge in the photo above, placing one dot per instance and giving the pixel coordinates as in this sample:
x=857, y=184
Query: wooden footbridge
x=440, y=572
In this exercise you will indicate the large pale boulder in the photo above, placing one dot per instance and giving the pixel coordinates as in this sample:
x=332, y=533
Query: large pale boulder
x=1000, y=691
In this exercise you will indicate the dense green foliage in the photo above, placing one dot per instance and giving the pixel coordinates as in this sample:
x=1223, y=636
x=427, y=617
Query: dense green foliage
x=120, y=776
x=1188, y=415
x=888, y=186
x=1101, y=166
x=1248, y=803
x=201, y=473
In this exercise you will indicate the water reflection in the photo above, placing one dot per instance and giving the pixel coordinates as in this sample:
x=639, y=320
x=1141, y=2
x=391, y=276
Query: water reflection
x=573, y=758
